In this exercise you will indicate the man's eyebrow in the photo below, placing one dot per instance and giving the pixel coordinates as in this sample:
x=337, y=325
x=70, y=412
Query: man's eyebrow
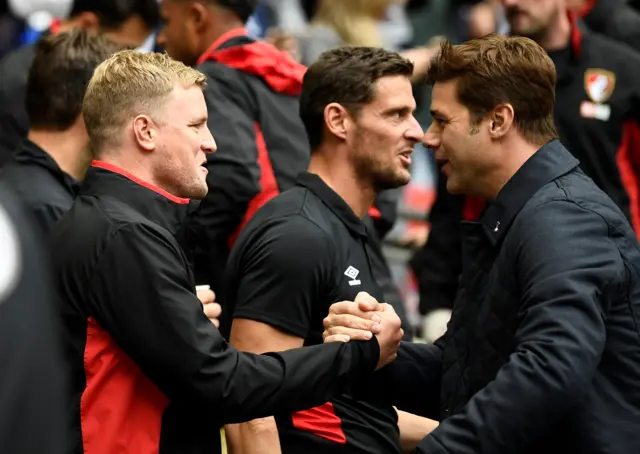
x=198, y=121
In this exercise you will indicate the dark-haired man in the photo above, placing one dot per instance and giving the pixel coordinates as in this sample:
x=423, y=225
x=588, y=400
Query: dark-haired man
x=55, y=155
x=598, y=118
x=126, y=22
x=252, y=95
x=310, y=247
x=542, y=353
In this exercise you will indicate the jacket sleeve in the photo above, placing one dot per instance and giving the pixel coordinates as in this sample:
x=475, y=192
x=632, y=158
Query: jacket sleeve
x=567, y=267
x=141, y=295
x=234, y=173
x=33, y=382
x=412, y=381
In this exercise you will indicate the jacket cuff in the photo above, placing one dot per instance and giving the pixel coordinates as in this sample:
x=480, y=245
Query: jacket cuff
x=366, y=357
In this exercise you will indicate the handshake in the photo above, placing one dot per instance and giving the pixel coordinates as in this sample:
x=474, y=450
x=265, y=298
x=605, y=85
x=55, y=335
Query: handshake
x=361, y=320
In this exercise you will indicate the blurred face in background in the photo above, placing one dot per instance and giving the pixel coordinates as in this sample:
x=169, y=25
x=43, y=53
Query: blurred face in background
x=179, y=36
x=532, y=18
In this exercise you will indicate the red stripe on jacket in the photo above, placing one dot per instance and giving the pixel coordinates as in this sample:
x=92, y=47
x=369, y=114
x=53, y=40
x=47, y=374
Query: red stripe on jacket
x=628, y=160
x=268, y=184
x=120, y=409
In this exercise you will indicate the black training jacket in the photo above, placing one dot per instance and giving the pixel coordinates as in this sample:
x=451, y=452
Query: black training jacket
x=33, y=381
x=44, y=188
x=150, y=372
x=542, y=353
x=615, y=19
x=252, y=98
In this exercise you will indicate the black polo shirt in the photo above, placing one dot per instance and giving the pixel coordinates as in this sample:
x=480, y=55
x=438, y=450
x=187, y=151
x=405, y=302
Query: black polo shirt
x=303, y=251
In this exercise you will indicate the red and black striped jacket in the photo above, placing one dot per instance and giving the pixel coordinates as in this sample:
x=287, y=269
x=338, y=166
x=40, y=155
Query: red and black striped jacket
x=252, y=98
x=149, y=373
x=598, y=119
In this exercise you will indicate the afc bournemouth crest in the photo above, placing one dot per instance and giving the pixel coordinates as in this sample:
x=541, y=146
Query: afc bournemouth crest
x=599, y=84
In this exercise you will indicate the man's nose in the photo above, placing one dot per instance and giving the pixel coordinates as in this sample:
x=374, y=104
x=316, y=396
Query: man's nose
x=431, y=139
x=414, y=133
x=208, y=144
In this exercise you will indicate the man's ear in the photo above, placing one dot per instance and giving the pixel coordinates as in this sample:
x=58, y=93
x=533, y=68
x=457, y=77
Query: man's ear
x=198, y=15
x=501, y=120
x=145, y=132
x=337, y=120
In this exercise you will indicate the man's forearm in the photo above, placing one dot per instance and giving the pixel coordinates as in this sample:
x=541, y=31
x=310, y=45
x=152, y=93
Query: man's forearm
x=259, y=436
x=413, y=429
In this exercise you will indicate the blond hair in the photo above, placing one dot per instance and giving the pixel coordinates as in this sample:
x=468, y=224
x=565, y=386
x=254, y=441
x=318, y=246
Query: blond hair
x=355, y=21
x=128, y=84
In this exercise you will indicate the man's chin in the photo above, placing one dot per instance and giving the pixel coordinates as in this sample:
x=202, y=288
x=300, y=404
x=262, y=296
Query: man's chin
x=393, y=183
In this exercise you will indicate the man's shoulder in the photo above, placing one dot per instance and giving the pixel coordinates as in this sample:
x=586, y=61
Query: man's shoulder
x=295, y=207
x=34, y=183
x=93, y=226
x=293, y=220
x=296, y=212
x=221, y=76
x=604, y=50
x=573, y=192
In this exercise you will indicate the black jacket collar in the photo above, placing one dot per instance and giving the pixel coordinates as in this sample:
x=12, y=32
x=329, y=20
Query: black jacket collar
x=31, y=154
x=549, y=163
x=106, y=180
x=335, y=203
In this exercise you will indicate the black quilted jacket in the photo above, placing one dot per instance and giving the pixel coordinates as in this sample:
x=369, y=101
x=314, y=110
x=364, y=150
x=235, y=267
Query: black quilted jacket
x=542, y=354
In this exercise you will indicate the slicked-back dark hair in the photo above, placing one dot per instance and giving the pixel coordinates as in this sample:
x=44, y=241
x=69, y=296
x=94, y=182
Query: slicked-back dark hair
x=59, y=75
x=347, y=76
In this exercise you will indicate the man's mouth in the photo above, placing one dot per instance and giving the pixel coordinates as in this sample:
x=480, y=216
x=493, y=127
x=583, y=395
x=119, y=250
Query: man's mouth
x=405, y=156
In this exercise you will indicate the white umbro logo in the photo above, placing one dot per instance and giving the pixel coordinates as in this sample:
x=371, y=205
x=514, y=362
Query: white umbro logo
x=352, y=274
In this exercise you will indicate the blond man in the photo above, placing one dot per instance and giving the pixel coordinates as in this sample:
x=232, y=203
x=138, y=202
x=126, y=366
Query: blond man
x=150, y=372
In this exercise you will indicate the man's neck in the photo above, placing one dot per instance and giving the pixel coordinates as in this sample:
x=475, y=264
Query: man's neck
x=517, y=152
x=131, y=162
x=340, y=177
x=558, y=34
x=225, y=23
x=66, y=148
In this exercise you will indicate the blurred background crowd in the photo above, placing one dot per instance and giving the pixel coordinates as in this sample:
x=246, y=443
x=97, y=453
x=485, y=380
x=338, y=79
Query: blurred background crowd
x=305, y=28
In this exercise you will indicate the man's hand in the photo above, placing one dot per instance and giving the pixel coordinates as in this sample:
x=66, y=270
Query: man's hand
x=353, y=320
x=211, y=309
x=361, y=319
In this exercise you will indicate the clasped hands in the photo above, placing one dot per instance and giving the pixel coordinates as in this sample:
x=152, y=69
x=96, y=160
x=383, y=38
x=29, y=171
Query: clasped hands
x=360, y=320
